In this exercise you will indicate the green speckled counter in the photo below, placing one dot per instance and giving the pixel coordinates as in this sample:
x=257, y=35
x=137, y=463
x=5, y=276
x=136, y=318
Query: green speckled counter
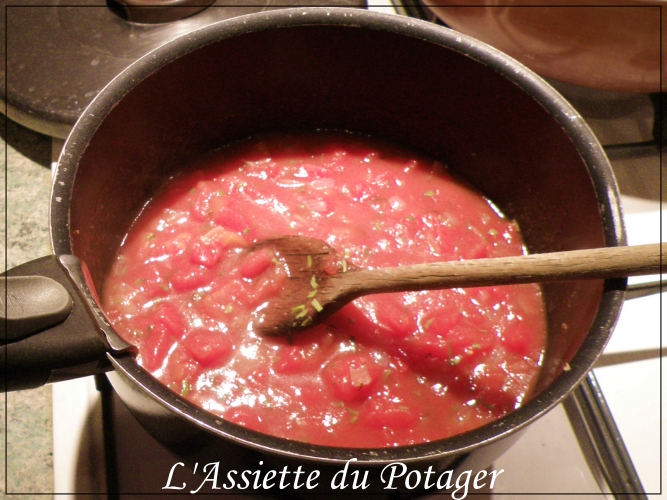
x=28, y=429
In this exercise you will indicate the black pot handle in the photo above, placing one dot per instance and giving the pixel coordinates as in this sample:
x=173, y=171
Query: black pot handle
x=52, y=329
x=31, y=304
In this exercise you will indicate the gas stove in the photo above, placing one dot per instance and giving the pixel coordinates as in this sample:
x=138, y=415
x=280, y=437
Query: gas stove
x=602, y=442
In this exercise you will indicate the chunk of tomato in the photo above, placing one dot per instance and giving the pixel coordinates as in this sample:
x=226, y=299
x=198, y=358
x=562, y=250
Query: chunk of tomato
x=156, y=347
x=206, y=254
x=384, y=414
x=352, y=376
x=208, y=348
x=190, y=278
x=231, y=219
x=256, y=263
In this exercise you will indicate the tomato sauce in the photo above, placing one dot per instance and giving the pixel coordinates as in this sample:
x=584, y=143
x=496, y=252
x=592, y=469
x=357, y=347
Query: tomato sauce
x=387, y=370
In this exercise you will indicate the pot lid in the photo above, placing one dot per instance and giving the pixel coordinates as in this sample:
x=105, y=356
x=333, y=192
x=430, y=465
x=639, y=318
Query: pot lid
x=61, y=53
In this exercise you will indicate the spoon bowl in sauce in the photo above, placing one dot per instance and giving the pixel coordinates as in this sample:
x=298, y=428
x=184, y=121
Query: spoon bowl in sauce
x=321, y=281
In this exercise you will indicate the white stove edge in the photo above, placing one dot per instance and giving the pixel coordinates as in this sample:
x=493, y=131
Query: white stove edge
x=633, y=388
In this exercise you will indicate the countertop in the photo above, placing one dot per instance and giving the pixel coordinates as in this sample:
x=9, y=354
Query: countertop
x=29, y=451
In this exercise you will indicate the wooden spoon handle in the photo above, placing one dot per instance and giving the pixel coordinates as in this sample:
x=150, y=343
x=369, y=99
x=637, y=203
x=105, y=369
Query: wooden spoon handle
x=596, y=263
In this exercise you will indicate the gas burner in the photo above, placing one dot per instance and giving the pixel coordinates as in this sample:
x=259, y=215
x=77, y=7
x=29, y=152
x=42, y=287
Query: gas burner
x=78, y=46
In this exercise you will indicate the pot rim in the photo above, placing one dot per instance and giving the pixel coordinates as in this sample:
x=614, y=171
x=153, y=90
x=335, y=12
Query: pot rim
x=558, y=108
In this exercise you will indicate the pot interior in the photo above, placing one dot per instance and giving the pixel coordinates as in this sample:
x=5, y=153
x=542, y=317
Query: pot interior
x=419, y=92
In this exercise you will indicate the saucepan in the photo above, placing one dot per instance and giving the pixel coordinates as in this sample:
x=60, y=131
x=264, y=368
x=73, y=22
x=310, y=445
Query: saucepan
x=496, y=124
x=606, y=44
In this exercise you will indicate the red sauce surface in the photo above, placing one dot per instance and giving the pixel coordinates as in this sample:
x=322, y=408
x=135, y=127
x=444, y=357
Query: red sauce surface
x=387, y=370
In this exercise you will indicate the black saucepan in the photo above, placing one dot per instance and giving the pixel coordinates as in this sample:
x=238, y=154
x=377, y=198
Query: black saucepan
x=494, y=122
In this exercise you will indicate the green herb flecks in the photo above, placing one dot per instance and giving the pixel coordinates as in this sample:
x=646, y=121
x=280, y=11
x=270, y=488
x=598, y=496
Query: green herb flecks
x=301, y=314
x=316, y=305
x=185, y=387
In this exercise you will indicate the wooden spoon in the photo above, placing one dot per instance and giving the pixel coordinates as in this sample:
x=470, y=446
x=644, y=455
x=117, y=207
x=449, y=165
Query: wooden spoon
x=321, y=281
